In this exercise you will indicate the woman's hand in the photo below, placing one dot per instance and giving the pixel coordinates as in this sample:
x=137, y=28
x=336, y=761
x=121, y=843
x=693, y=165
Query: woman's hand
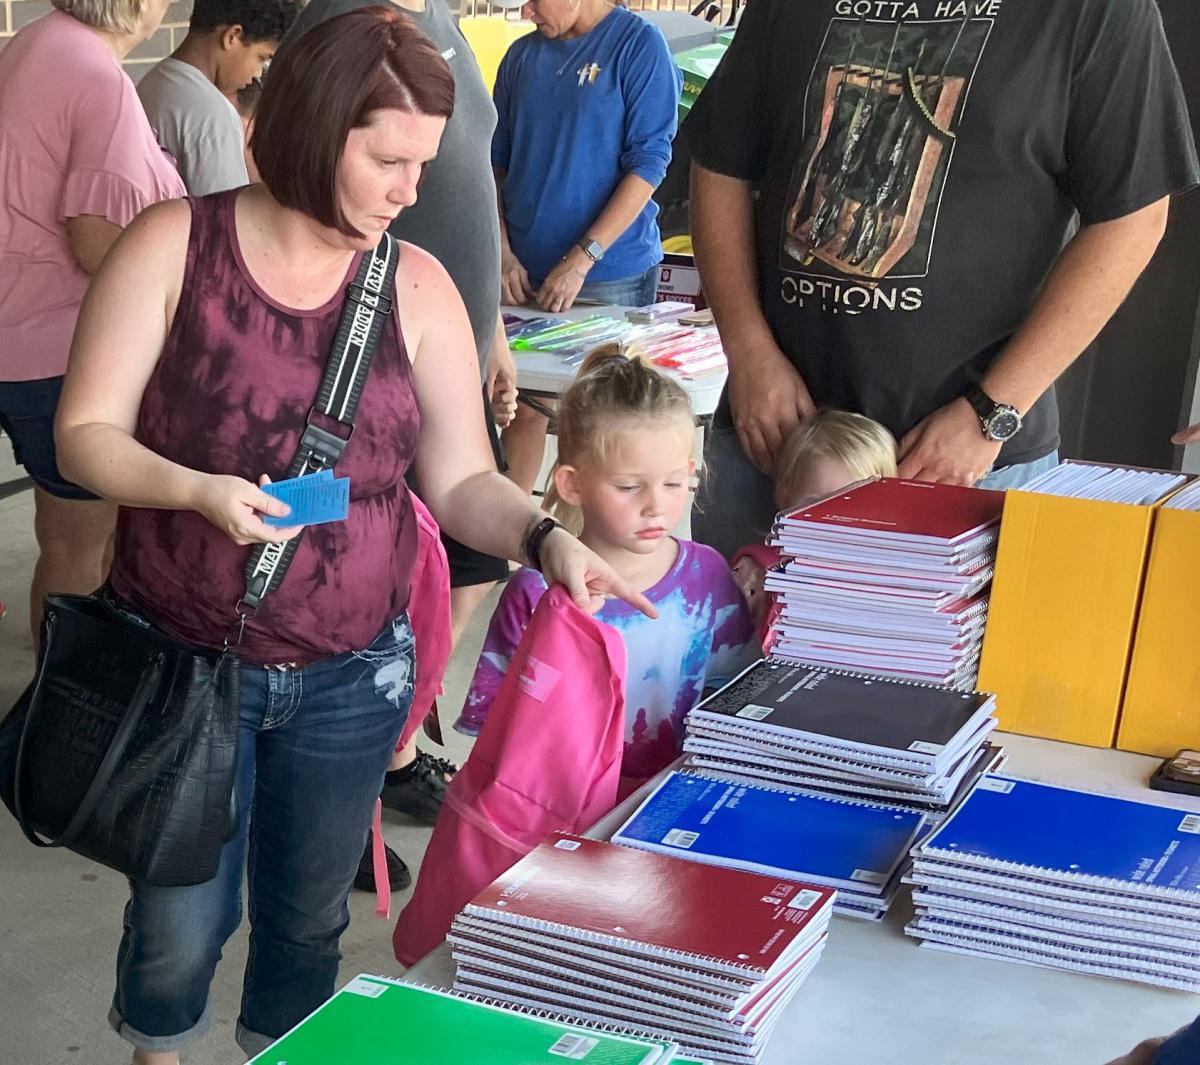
x=563, y=283
x=586, y=576
x=1190, y=435
x=515, y=289
x=235, y=506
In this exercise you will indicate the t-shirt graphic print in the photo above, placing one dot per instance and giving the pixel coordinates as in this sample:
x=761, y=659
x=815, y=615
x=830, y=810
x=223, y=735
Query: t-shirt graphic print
x=881, y=111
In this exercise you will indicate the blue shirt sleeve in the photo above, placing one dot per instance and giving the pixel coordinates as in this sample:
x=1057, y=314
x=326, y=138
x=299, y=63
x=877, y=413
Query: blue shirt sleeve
x=501, y=93
x=650, y=85
x=1181, y=1049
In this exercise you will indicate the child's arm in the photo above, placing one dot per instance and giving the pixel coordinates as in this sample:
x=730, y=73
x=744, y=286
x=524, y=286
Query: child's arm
x=517, y=602
x=750, y=566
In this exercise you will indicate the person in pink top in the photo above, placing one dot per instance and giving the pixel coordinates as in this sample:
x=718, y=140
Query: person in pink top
x=78, y=161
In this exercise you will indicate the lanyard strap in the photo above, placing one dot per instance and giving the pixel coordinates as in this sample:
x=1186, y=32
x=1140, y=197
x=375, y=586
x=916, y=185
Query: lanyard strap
x=368, y=303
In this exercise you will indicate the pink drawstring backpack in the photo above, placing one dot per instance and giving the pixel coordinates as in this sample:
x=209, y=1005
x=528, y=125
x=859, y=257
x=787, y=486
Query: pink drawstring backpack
x=429, y=615
x=547, y=759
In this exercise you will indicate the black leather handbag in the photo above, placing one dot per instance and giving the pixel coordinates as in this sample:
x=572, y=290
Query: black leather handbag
x=124, y=747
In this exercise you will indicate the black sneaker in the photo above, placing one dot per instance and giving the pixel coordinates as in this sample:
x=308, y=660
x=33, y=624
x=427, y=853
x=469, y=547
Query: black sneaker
x=420, y=789
x=399, y=877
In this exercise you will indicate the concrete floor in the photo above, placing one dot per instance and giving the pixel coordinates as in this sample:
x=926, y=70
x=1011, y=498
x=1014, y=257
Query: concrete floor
x=60, y=916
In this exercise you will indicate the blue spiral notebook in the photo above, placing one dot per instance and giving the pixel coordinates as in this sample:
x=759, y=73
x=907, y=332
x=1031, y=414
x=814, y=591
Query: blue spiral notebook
x=851, y=845
x=1055, y=833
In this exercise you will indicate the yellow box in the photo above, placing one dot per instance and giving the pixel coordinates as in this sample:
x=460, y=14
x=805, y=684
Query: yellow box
x=1063, y=607
x=1161, y=712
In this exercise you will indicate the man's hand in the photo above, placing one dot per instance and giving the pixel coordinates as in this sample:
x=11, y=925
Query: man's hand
x=768, y=399
x=1190, y=435
x=502, y=382
x=948, y=447
x=515, y=289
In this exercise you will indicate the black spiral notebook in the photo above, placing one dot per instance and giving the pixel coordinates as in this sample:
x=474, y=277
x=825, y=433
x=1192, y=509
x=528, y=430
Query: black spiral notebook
x=853, y=711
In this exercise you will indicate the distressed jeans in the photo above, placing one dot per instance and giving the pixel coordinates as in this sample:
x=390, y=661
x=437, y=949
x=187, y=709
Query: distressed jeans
x=314, y=744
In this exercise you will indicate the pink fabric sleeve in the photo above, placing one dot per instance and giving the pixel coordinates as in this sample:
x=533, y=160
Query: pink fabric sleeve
x=517, y=602
x=101, y=193
x=115, y=168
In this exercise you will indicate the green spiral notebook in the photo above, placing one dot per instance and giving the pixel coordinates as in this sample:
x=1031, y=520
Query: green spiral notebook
x=374, y=1021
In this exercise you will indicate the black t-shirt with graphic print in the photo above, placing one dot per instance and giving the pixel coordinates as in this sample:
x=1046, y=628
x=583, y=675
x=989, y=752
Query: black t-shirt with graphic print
x=919, y=166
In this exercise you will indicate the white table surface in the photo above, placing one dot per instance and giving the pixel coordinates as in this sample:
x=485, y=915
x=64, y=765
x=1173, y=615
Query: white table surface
x=876, y=998
x=544, y=373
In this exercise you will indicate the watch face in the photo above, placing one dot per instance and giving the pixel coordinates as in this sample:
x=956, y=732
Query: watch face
x=1003, y=424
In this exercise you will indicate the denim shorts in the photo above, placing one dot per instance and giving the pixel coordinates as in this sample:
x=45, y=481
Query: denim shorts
x=27, y=411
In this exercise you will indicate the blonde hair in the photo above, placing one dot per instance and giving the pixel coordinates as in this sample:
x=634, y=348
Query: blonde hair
x=859, y=443
x=615, y=384
x=115, y=16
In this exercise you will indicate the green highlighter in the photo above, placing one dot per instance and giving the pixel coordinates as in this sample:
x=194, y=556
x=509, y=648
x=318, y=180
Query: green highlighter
x=375, y=1021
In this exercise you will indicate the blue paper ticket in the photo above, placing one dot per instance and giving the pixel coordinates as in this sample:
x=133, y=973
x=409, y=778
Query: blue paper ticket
x=317, y=498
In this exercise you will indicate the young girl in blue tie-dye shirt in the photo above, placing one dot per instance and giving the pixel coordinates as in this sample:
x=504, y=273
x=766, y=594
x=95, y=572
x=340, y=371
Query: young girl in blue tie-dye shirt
x=621, y=482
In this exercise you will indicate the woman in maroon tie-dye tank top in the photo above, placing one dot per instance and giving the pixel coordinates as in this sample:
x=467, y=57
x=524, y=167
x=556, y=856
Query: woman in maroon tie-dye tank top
x=197, y=356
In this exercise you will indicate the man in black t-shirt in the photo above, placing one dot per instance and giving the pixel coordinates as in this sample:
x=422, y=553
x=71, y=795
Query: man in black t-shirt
x=883, y=196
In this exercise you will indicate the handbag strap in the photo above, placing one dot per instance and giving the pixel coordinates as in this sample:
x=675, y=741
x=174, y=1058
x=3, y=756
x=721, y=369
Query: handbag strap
x=368, y=304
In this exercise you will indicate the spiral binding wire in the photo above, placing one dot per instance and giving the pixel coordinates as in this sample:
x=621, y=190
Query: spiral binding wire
x=470, y=949
x=528, y=1011
x=1057, y=950
x=873, y=677
x=1057, y=889
x=932, y=904
x=703, y=731
x=778, y=790
x=605, y=939
x=724, y=981
x=584, y=1012
x=1094, y=903
x=605, y=992
x=1059, y=876
x=709, y=767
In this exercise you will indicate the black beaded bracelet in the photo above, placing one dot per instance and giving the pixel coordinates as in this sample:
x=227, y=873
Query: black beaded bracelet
x=532, y=548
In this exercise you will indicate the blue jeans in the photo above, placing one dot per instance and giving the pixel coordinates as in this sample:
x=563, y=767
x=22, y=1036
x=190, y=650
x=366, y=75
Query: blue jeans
x=1020, y=474
x=634, y=291
x=314, y=744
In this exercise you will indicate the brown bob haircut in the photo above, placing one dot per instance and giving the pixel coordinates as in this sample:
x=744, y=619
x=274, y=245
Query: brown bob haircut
x=330, y=82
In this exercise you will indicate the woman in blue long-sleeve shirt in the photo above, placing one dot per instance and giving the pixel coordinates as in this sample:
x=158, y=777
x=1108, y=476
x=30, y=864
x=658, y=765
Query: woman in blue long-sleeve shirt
x=586, y=112
x=585, y=117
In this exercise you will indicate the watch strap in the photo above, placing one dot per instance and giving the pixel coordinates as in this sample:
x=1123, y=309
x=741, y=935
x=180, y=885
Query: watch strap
x=532, y=548
x=983, y=404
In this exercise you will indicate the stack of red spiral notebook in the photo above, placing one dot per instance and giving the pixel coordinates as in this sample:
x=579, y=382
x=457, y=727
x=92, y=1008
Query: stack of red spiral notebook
x=705, y=956
x=888, y=577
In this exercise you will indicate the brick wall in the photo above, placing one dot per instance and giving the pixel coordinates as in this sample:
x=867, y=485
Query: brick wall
x=17, y=13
